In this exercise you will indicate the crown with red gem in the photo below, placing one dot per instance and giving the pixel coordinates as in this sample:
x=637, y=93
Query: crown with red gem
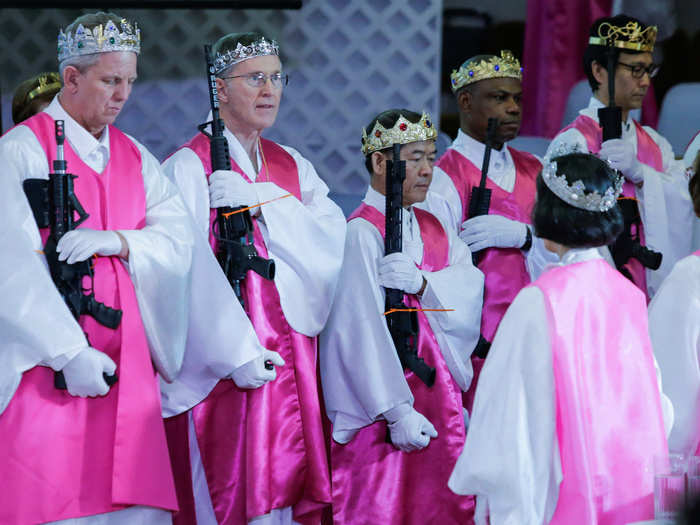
x=259, y=48
x=505, y=66
x=99, y=39
x=403, y=132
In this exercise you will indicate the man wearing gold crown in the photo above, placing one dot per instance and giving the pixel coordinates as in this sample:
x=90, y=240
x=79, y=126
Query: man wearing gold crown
x=262, y=453
x=653, y=177
x=488, y=86
x=92, y=454
x=367, y=392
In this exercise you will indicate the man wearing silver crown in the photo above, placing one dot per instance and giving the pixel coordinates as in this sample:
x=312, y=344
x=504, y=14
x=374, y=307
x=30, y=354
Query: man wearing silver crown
x=262, y=453
x=653, y=177
x=489, y=86
x=95, y=454
x=366, y=390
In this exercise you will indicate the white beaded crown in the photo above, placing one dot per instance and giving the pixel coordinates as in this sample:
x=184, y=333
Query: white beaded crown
x=259, y=48
x=99, y=40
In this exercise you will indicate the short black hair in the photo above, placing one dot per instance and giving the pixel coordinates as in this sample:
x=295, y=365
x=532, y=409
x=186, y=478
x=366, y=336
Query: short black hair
x=565, y=224
x=694, y=186
x=388, y=119
x=601, y=54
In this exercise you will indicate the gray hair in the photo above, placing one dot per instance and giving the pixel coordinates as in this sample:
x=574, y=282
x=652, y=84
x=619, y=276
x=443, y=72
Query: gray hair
x=81, y=63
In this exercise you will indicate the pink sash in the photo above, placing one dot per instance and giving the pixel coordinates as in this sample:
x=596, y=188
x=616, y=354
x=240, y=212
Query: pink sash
x=264, y=449
x=648, y=153
x=373, y=482
x=70, y=457
x=609, y=419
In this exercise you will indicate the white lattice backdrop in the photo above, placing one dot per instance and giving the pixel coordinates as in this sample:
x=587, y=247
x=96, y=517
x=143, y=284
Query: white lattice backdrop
x=347, y=60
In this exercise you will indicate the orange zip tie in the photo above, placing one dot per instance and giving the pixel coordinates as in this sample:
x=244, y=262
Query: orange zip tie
x=227, y=215
x=417, y=310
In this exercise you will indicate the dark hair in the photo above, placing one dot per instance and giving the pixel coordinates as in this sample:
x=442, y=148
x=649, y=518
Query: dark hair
x=230, y=41
x=565, y=224
x=694, y=186
x=388, y=119
x=31, y=94
x=600, y=54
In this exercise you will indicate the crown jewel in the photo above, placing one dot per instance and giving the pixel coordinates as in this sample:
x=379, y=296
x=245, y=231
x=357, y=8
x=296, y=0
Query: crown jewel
x=403, y=132
x=505, y=66
x=630, y=36
x=231, y=57
x=99, y=40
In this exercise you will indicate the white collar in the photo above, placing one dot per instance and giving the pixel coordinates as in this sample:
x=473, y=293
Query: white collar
x=81, y=140
x=238, y=154
x=475, y=149
x=577, y=255
x=592, y=111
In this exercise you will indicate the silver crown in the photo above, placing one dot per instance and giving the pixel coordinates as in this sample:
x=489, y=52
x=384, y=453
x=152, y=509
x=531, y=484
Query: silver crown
x=99, y=40
x=575, y=193
x=259, y=48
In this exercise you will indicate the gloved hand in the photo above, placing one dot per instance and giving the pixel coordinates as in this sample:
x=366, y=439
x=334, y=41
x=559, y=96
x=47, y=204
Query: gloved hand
x=493, y=231
x=411, y=431
x=398, y=271
x=228, y=188
x=620, y=155
x=83, y=373
x=253, y=374
x=79, y=245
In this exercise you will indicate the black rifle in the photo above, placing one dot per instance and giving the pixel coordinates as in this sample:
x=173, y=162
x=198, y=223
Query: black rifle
x=403, y=325
x=480, y=198
x=233, y=228
x=628, y=244
x=55, y=205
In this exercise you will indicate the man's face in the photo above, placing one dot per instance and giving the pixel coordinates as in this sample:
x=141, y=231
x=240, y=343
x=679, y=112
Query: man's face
x=252, y=108
x=419, y=157
x=630, y=91
x=104, y=88
x=499, y=98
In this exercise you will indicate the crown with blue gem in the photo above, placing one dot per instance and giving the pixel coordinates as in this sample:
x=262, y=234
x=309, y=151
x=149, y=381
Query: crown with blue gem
x=403, y=132
x=259, y=48
x=99, y=39
x=505, y=66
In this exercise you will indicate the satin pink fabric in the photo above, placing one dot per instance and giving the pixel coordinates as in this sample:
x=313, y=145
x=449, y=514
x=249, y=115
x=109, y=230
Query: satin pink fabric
x=505, y=272
x=649, y=153
x=608, y=407
x=67, y=457
x=373, y=482
x=264, y=449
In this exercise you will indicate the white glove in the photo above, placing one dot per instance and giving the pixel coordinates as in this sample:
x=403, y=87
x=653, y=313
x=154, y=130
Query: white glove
x=398, y=271
x=253, y=374
x=228, y=188
x=493, y=231
x=411, y=431
x=83, y=373
x=620, y=155
x=79, y=245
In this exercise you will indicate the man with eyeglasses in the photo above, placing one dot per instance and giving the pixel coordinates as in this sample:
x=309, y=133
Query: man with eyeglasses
x=260, y=454
x=653, y=177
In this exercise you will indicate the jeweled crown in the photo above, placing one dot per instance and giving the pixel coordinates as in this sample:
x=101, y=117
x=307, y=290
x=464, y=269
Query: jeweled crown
x=403, y=132
x=630, y=36
x=259, y=48
x=100, y=39
x=505, y=66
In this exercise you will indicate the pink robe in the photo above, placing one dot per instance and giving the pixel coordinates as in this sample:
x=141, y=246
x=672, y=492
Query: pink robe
x=609, y=422
x=648, y=153
x=261, y=449
x=69, y=457
x=373, y=482
x=505, y=271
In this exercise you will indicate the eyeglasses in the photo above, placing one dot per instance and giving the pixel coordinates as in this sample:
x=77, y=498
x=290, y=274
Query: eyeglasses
x=259, y=79
x=638, y=70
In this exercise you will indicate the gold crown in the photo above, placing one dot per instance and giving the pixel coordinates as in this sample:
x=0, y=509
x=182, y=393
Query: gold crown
x=630, y=36
x=403, y=132
x=505, y=66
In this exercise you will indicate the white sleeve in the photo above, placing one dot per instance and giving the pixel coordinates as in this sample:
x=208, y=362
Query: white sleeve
x=444, y=201
x=458, y=287
x=567, y=140
x=691, y=152
x=360, y=370
x=185, y=169
x=35, y=323
x=511, y=457
x=538, y=257
x=305, y=238
x=675, y=335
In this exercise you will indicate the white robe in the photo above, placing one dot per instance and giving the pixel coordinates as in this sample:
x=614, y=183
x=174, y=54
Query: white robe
x=664, y=201
x=512, y=433
x=444, y=201
x=360, y=370
x=691, y=154
x=674, y=326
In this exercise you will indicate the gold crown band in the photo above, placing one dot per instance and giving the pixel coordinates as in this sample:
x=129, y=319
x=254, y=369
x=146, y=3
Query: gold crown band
x=44, y=87
x=630, y=36
x=505, y=66
x=403, y=132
